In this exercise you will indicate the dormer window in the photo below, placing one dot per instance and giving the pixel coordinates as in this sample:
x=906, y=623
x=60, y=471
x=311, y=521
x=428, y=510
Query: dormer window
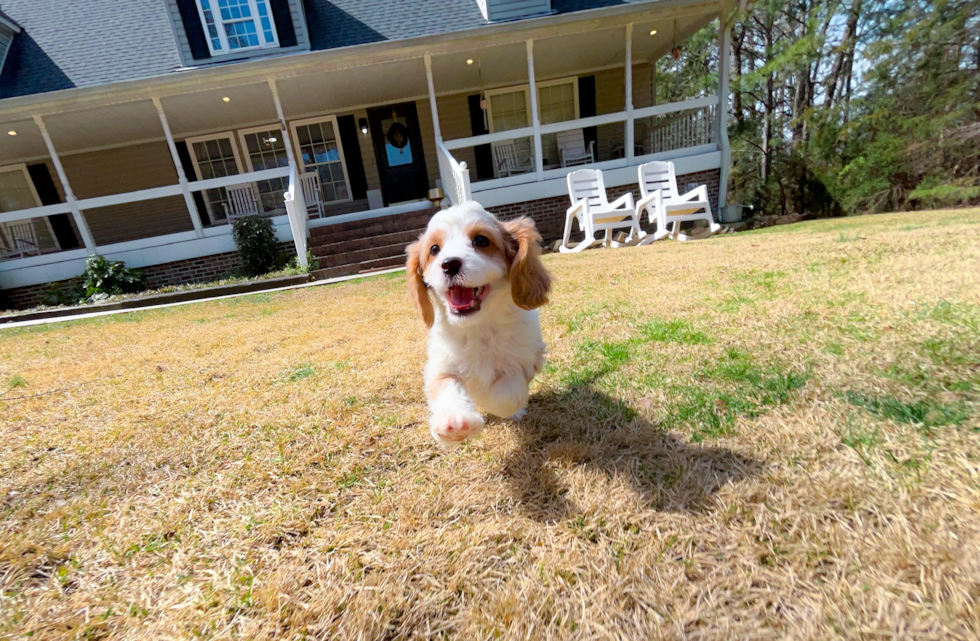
x=237, y=25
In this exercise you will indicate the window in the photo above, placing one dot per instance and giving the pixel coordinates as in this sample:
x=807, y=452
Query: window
x=320, y=150
x=17, y=192
x=510, y=109
x=215, y=157
x=237, y=25
x=266, y=149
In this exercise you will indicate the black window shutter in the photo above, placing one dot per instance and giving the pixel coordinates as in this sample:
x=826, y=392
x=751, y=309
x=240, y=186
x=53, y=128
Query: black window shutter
x=48, y=194
x=185, y=161
x=483, y=153
x=191, y=18
x=284, y=23
x=586, y=107
x=352, y=156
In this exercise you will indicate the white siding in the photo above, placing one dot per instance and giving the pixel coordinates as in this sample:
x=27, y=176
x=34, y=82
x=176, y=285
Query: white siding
x=499, y=10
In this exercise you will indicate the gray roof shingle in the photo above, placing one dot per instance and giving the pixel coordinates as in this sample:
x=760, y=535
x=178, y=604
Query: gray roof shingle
x=67, y=44
x=79, y=43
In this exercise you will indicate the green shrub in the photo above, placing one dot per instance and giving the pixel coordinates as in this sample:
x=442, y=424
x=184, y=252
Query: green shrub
x=257, y=245
x=110, y=278
x=67, y=293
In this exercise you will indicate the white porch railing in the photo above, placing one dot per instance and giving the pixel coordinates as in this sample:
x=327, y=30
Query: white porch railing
x=690, y=129
x=298, y=217
x=455, y=176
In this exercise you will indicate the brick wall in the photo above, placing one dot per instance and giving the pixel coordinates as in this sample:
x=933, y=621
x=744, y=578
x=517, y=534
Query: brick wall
x=549, y=213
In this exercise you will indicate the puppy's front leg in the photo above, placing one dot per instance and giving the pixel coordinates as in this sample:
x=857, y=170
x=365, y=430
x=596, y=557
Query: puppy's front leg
x=508, y=397
x=454, y=417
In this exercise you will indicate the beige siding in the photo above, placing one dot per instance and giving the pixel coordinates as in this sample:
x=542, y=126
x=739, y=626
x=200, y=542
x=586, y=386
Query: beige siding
x=454, y=121
x=428, y=141
x=121, y=170
x=367, y=152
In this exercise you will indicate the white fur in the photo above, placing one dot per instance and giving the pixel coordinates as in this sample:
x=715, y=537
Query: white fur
x=493, y=353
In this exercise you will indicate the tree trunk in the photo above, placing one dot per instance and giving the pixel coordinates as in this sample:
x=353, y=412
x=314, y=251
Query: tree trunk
x=845, y=50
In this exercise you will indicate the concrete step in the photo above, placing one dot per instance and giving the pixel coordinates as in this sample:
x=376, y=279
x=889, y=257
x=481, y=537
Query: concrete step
x=357, y=268
x=362, y=255
x=402, y=238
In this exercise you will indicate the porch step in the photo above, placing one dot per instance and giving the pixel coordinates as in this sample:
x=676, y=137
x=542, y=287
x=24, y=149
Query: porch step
x=401, y=238
x=373, y=251
x=358, y=268
x=370, y=227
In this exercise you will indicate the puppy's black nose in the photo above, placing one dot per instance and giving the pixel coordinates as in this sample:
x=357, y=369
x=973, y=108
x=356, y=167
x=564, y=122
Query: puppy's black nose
x=452, y=266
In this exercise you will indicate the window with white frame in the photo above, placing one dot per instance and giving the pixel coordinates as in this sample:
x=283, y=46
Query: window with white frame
x=22, y=237
x=321, y=151
x=215, y=157
x=510, y=108
x=266, y=149
x=237, y=25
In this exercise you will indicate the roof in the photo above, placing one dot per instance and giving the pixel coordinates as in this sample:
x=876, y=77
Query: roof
x=9, y=22
x=77, y=44
x=67, y=44
x=344, y=23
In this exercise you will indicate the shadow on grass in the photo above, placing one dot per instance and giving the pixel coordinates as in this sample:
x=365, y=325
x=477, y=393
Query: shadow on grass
x=581, y=426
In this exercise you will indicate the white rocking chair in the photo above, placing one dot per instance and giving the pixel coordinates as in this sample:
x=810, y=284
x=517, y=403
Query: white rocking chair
x=509, y=162
x=664, y=205
x=311, y=193
x=23, y=240
x=572, y=149
x=594, y=213
x=242, y=201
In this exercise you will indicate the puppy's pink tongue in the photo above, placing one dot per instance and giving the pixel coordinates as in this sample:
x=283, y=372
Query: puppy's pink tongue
x=461, y=296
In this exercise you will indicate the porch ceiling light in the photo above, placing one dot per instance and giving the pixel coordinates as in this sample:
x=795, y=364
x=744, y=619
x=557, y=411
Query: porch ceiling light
x=653, y=32
x=226, y=99
x=469, y=61
x=362, y=123
x=11, y=133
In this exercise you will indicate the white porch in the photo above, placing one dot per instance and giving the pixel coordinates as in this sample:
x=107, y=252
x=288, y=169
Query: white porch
x=280, y=95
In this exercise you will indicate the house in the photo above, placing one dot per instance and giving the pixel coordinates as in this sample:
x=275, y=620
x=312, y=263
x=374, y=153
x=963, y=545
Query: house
x=136, y=129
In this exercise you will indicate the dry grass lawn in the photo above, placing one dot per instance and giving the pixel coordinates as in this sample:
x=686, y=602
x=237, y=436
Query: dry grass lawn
x=768, y=435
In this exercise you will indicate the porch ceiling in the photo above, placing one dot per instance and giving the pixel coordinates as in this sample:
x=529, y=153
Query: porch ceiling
x=333, y=91
x=204, y=111
x=28, y=142
x=116, y=124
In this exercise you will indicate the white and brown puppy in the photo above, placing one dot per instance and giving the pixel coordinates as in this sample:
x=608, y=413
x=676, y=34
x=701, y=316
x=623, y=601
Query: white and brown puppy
x=477, y=282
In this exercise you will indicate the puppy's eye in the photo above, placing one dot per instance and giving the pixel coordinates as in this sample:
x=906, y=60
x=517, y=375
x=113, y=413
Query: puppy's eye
x=433, y=250
x=481, y=241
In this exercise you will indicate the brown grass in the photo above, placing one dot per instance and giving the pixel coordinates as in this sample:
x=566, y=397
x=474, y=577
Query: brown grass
x=768, y=435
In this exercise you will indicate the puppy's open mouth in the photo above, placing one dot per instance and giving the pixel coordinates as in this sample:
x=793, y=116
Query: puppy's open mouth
x=466, y=300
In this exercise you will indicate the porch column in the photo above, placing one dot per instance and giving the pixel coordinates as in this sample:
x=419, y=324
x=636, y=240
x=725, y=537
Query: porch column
x=721, y=122
x=179, y=166
x=432, y=98
x=629, y=94
x=293, y=162
x=535, y=118
x=69, y=194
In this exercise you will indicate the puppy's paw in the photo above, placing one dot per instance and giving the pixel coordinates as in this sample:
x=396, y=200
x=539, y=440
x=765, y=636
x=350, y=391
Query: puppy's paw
x=518, y=415
x=452, y=428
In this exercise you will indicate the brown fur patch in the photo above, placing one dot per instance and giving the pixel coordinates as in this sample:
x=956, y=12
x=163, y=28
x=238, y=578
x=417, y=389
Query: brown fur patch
x=498, y=243
x=435, y=385
x=529, y=281
x=418, y=255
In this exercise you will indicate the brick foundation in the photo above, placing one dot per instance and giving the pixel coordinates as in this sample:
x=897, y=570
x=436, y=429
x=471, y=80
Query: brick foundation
x=549, y=213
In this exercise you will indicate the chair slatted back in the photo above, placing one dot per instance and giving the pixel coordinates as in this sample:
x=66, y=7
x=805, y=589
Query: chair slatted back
x=587, y=184
x=242, y=201
x=311, y=188
x=572, y=142
x=505, y=156
x=658, y=175
x=24, y=238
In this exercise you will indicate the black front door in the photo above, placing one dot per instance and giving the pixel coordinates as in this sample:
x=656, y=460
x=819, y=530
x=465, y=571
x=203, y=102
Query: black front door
x=398, y=148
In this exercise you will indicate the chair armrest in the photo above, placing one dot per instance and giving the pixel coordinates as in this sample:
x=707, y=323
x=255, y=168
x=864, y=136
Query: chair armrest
x=649, y=199
x=582, y=205
x=591, y=148
x=624, y=200
x=699, y=192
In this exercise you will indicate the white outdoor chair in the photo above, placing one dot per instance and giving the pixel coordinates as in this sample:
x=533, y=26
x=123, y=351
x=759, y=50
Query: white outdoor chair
x=509, y=161
x=311, y=193
x=572, y=149
x=595, y=213
x=23, y=241
x=664, y=205
x=242, y=201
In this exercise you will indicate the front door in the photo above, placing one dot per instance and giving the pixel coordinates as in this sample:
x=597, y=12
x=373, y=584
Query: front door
x=398, y=148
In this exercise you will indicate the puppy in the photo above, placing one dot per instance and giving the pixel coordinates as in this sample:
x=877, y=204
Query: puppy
x=477, y=282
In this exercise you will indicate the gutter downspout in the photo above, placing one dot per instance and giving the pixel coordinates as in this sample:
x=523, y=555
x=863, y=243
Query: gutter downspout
x=723, y=91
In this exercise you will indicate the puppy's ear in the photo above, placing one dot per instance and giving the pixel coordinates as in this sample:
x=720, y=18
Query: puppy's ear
x=416, y=286
x=529, y=282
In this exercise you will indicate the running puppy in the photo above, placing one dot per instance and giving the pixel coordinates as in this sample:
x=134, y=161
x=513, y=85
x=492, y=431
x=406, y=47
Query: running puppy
x=477, y=282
